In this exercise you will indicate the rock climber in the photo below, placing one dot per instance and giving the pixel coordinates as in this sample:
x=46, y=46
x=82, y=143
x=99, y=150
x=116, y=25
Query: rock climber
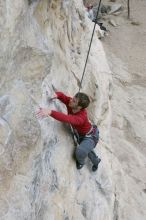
x=89, y=11
x=86, y=133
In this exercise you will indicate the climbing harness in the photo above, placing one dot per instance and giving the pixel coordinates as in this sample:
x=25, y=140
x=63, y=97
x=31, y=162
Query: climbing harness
x=90, y=45
x=91, y=134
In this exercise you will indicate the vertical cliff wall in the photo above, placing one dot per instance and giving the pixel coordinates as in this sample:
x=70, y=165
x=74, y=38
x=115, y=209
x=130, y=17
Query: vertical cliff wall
x=44, y=43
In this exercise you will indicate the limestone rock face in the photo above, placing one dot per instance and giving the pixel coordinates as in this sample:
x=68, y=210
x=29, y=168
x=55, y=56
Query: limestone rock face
x=44, y=43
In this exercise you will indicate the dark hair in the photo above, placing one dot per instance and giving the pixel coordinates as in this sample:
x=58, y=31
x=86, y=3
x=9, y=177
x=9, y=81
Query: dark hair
x=84, y=100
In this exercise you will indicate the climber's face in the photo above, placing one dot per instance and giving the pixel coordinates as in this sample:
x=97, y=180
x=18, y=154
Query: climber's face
x=74, y=103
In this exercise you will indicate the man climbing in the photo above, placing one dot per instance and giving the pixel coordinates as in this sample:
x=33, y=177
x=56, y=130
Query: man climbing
x=86, y=133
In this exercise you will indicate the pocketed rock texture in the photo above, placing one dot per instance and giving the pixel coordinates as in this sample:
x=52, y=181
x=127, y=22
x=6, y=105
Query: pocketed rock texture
x=44, y=43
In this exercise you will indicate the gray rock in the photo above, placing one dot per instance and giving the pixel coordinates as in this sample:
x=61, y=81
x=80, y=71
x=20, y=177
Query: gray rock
x=38, y=176
x=115, y=7
x=117, y=13
x=112, y=22
x=135, y=23
x=105, y=9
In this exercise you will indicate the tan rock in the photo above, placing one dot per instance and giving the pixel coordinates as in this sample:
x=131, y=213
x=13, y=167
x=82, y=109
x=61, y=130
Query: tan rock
x=41, y=46
x=112, y=22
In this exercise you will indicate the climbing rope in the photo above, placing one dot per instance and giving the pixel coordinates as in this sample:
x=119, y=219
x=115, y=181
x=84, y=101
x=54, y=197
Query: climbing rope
x=128, y=6
x=90, y=45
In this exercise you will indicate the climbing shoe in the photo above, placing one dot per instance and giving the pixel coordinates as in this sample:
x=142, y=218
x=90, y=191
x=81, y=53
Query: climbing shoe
x=95, y=167
x=78, y=165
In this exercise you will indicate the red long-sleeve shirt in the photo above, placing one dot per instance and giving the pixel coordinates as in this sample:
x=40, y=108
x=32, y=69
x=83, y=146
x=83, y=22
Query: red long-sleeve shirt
x=78, y=120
